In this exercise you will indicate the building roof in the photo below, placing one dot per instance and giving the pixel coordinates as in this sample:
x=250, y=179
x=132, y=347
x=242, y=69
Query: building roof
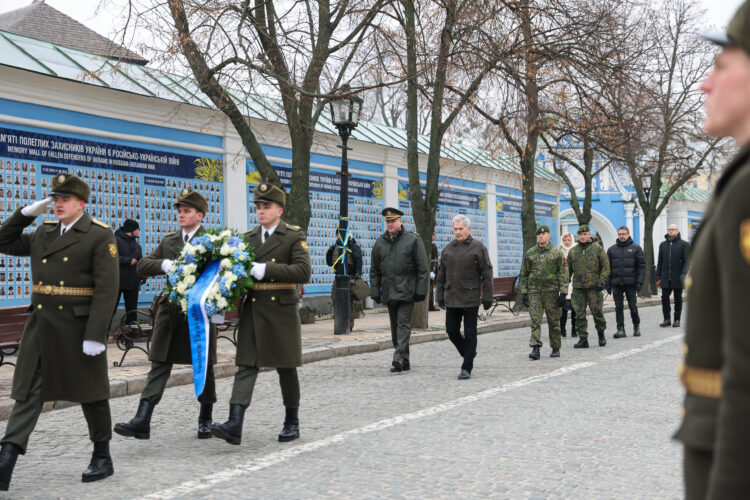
x=686, y=193
x=44, y=22
x=57, y=60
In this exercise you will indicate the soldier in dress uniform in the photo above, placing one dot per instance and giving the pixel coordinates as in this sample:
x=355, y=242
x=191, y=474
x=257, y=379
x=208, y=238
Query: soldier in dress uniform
x=269, y=332
x=74, y=270
x=170, y=341
x=544, y=285
x=716, y=371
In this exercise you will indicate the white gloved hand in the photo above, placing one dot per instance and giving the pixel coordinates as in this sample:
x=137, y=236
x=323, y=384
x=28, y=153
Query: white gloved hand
x=93, y=348
x=166, y=265
x=258, y=270
x=432, y=275
x=38, y=207
x=217, y=319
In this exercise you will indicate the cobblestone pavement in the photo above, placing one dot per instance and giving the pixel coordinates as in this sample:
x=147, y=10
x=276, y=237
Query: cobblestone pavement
x=595, y=423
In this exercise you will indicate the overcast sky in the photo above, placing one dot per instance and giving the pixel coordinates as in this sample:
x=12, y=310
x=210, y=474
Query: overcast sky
x=103, y=16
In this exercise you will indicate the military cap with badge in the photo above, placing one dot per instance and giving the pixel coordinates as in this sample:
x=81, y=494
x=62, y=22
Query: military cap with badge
x=69, y=184
x=583, y=229
x=269, y=193
x=542, y=229
x=391, y=213
x=193, y=199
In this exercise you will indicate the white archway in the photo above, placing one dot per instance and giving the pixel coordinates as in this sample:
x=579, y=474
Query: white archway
x=601, y=225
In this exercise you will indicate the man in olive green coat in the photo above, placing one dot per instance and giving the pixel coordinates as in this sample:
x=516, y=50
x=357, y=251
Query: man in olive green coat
x=464, y=280
x=399, y=277
x=588, y=265
x=170, y=342
x=269, y=332
x=716, y=372
x=75, y=270
x=544, y=285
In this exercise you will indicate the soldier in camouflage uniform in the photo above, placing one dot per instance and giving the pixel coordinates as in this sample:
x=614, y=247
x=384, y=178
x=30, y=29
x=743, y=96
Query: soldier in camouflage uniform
x=589, y=268
x=544, y=283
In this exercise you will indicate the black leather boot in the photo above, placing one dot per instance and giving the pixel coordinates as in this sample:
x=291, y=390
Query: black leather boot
x=636, y=331
x=583, y=343
x=204, y=421
x=290, y=432
x=140, y=426
x=555, y=353
x=8, y=455
x=534, y=354
x=602, y=339
x=100, y=465
x=620, y=333
x=231, y=430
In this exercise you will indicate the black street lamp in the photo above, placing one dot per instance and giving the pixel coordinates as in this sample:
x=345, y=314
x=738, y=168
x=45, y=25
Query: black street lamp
x=345, y=113
x=645, y=180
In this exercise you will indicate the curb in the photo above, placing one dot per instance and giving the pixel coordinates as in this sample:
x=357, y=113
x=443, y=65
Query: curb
x=184, y=376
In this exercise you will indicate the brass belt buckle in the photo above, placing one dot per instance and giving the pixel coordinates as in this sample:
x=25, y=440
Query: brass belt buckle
x=47, y=289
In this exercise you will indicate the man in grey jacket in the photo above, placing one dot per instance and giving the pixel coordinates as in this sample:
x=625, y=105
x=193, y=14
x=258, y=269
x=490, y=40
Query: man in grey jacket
x=464, y=280
x=399, y=277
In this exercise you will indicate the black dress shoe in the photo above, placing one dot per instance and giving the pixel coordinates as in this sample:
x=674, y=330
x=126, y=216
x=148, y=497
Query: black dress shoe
x=290, y=432
x=602, y=339
x=582, y=343
x=555, y=353
x=464, y=375
x=204, y=421
x=231, y=430
x=676, y=323
x=534, y=354
x=8, y=455
x=563, y=333
x=573, y=334
x=666, y=323
x=140, y=426
x=100, y=465
x=405, y=365
x=397, y=366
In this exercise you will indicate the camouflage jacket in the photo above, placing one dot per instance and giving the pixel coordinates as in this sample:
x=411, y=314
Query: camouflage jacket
x=588, y=264
x=544, y=270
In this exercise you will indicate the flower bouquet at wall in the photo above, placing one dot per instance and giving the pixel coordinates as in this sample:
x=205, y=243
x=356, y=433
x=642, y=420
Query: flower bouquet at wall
x=205, y=281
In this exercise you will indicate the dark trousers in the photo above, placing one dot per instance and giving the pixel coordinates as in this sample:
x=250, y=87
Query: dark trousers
x=466, y=344
x=564, y=318
x=665, y=292
x=432, y=295
x=157, y=378
x=131, y=304
x=697, y=464
x=244, y=384
x=25, y=414
x=401, y=315
x=618, y=294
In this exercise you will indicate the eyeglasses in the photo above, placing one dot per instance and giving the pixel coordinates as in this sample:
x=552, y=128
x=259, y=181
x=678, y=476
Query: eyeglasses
x=622, y=234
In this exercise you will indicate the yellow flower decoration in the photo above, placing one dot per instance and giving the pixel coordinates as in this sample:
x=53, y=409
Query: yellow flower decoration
x=209, y=169
x=377, y=190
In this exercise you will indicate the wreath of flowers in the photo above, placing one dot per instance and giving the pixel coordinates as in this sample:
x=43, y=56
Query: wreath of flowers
x=236, y=257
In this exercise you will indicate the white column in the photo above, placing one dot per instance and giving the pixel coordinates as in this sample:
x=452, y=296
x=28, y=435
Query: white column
x=235, y=186
x=629, y=205
x=492, y=226
x=390, y=181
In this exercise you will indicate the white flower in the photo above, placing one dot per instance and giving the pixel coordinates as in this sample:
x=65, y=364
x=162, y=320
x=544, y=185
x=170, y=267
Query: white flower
x=222, y=303
x=242, y=257
x=212, y=238
x=225, y=249
x=181, y=288
x=229, y=277
x=242, y=246
x=226, y=263
x=188, y=269
x=190, y=280
x=200, y=249
x=226, y=234
x=215, y=292
x=189, y=249
x=184, y=305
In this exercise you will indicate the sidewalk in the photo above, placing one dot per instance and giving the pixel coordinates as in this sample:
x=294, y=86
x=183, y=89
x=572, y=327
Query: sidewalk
x=371, y=333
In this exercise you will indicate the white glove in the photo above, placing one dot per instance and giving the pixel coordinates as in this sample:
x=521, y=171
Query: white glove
x=217, y=319
x=93, y=348
x=432, y=275
x=258, y=270
x=166, y=265
x=38, y=207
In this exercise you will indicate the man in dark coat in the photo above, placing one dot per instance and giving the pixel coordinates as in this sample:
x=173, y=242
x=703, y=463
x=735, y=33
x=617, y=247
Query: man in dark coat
x=269, y=332
x=671, y=270
x=129, y=253
x=170, y=341
x=352, y=267
x=464, y=280
x=716, y=369
x=399, y=277
x=627, y=269
x=62, y=354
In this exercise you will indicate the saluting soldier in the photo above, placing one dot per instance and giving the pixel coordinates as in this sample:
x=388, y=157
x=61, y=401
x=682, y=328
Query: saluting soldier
x=74, y=270
x=269, y=332
x=544, y=285
x=170, y=341
x=716, y=372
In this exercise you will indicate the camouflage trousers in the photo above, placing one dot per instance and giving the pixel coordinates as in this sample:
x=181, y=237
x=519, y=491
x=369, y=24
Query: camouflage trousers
x=594, y=299
x=540, y=303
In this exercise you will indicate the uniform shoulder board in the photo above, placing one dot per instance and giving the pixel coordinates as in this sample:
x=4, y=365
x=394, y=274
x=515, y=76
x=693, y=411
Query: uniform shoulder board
x=293, y=227
x=50, y=222
x=99, y=223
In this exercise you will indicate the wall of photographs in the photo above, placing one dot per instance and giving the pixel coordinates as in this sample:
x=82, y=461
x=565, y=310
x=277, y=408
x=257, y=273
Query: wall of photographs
x=450, y=203
x=126, y=182
x=366, y=222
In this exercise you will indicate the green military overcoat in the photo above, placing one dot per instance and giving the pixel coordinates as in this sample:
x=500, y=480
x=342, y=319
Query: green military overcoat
x=717, y=342
x=269, y=332
x=84, y=257
x=170, y=341
x=398, y=268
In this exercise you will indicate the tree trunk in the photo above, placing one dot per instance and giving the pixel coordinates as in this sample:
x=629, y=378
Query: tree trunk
x=648, y=249
x=298, y=209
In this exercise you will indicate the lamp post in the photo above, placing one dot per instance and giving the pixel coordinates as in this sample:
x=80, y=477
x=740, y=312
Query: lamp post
x=646, y=186
x=345, y=113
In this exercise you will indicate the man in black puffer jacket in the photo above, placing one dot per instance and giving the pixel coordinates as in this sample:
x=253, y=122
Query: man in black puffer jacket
x=671, y=271
x=627, y=270
x=129, y=253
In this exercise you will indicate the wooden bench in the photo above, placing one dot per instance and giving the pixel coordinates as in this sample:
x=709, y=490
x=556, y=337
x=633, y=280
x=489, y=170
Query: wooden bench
x=130, y=332
x=503, y=290
x=12, y=321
